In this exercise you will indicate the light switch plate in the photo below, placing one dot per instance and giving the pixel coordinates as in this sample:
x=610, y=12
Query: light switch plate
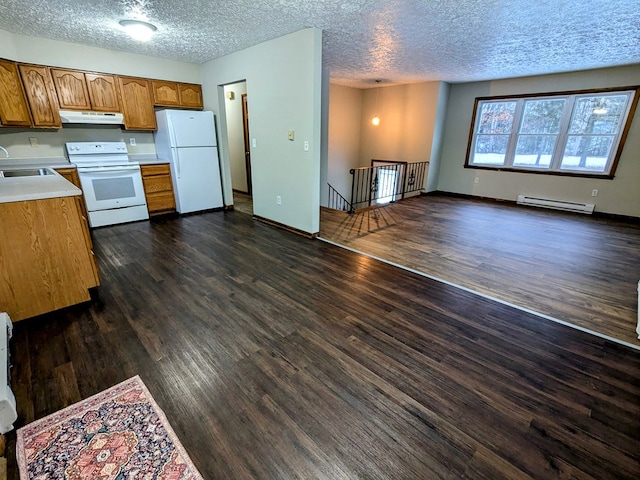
x=290, y=135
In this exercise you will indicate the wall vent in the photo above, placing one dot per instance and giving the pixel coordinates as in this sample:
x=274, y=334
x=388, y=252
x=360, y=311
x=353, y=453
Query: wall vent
x=556, y=204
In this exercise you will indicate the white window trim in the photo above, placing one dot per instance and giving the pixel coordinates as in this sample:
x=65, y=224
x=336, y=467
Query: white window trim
x=562, y=137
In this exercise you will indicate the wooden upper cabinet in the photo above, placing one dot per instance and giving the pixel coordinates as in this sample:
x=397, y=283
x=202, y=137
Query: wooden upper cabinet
x=103, y=92
x=41, y=95
x=14, y=110
x=137, y=103
x=78, y=90
x=174, y=94
x=190, y=95
x=165, y=94
x=71, y=87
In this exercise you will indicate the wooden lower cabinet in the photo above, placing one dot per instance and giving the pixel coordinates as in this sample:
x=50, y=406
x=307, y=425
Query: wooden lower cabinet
x=71, y=175
x=158, y=189
x=46, y=257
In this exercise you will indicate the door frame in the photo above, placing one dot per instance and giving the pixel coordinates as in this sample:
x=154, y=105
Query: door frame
x=247, y=142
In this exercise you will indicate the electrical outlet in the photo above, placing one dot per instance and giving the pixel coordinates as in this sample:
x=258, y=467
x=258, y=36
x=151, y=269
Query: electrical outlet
x=594, y=192
x=477, y=180
x=132, y=142
x=254, y=144
x=306, y=145
x=33, y=141
x=278, y=200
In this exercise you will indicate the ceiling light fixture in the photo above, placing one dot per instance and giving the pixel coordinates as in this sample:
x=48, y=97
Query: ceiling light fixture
x=375, y=121
x=138, y=30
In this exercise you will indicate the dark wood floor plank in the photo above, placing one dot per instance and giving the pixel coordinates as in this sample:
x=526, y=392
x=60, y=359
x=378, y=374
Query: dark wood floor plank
x=580, y=269
x=275, y=356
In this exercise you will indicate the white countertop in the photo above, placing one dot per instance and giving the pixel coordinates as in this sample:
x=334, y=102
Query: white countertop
x=18, y=189
x=146, y=159
x=155, y=161
x=51, y=162
x=63, y=162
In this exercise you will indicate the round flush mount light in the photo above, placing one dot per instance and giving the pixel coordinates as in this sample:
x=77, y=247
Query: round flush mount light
x=138, y=29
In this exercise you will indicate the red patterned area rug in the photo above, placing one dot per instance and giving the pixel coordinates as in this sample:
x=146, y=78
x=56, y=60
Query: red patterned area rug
x=120, y=433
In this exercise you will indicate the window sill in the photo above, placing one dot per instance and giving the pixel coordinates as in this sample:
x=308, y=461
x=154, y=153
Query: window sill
x=543, y=172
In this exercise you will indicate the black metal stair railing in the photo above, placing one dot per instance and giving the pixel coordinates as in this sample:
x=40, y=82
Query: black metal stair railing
x=385, y=182
x=337, y=201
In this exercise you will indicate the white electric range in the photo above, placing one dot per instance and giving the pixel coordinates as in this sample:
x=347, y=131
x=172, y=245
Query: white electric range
x=111, y=184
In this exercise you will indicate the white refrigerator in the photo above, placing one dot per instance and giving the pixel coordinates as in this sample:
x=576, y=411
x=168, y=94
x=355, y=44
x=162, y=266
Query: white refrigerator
x=187, y=139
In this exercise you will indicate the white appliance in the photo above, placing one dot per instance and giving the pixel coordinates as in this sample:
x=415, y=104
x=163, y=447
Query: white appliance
x=101, y=118
x=8, y=413
x=111, y=184
x=187, y=139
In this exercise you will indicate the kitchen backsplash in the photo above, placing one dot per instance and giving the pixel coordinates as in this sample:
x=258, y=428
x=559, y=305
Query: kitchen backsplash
x=32, y=143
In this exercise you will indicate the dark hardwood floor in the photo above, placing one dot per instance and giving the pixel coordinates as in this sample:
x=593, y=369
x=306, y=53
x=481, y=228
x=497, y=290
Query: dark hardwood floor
x=577, y=268
x=278, y=357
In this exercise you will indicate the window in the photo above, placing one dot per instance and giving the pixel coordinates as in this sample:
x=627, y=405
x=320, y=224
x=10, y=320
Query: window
x=577, y=133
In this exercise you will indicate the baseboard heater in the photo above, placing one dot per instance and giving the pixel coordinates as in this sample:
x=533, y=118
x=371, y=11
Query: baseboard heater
x=556, y=204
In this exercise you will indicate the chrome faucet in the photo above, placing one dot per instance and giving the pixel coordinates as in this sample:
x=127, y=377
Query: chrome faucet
x=6, y=152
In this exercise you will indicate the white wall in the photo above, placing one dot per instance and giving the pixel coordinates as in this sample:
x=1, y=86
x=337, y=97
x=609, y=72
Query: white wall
x=50, y=142
x=235, y=129
x=411, y=128
x=407, y=122
x=618, y=196
x=345, y=116
x=22, y=48
x=324, y=136
x=7, y=46
x=438, y=138
x=284, y=78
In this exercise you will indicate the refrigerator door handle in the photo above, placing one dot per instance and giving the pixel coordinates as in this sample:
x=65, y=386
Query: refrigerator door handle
x=177, y=157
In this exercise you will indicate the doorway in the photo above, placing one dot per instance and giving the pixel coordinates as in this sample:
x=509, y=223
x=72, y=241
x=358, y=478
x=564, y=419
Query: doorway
x=237, y=117
x=247, y=149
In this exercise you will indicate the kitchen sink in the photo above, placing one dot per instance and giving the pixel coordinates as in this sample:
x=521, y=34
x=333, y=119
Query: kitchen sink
x=27, y=172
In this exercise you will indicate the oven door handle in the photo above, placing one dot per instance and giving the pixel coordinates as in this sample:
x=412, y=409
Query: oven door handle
x=109, y=170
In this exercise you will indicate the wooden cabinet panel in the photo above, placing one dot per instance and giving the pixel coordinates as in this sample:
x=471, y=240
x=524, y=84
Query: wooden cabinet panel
x=165, y=94
x=161, y=203
x=158, y=183
x=103, y=92
x=174, y=94
x=155, y=169
x=190, y=95
x=84, y=221
x=137, y=103
x=71, y=88
x=71, y=175
x=45, y=262
x=40, y=91
x=13, y=104
x=158, y=188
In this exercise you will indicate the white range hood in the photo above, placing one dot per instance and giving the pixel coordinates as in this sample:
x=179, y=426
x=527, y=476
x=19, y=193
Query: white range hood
x=101, y=118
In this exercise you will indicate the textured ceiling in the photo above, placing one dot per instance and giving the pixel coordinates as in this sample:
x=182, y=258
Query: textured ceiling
x=363, y=40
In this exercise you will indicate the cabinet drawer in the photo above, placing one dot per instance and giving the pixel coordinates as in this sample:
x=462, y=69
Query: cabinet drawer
x=159, y=169
x=160, y=202
x=157, y=183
